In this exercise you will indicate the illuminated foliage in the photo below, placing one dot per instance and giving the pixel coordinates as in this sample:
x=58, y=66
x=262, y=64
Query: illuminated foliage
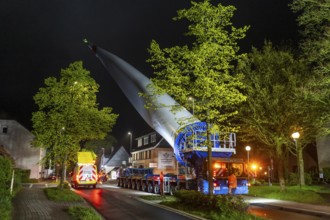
x=203, y=71
x=68, y=113
x=314, y=20
x=281, y=100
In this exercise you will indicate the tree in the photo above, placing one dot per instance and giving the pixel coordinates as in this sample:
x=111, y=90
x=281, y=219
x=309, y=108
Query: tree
x=98, y=145
x=101, y=147
x=68, y=114
x=280, y=101
x=203, y=71
x=314, y=19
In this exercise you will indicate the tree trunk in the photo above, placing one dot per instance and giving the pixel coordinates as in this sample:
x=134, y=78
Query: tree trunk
x=209, y=165
x=280, y=171
x=301, y=166
x=63, y=175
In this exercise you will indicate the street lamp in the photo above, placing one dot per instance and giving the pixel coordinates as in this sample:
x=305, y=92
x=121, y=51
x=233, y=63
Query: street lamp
x=295, y=137
x=130, y=142
x=248, y=148
x=102, y=159
x=193, y=101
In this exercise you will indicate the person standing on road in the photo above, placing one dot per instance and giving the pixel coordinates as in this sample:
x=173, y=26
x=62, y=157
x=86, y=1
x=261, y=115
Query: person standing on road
x=232, y=182
x=161, y=183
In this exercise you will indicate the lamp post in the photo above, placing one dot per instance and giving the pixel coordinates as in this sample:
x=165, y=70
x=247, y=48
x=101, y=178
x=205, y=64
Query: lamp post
x=130, y=142
x=248, y=148
x=193, y=101
x=295, y=137
x=102, y=159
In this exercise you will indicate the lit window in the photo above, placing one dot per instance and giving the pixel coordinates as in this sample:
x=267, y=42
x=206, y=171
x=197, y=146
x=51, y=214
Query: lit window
x=146, y=140
x=140, y=142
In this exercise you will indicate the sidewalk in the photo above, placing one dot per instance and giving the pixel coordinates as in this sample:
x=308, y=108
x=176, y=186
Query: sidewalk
x=310, y=209
x=32, y=203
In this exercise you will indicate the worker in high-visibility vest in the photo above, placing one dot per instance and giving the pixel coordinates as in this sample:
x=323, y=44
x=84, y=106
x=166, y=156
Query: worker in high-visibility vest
x=161, y=183
x=232, y=183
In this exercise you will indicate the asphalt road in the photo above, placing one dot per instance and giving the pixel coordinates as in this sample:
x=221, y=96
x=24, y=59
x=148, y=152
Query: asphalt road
x=121, y=204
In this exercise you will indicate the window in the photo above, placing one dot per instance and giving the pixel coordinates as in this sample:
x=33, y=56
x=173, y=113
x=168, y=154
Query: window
x=153, y=138
x=5, y=130
x=148, y=154
x=140, y=142
x=145, y=140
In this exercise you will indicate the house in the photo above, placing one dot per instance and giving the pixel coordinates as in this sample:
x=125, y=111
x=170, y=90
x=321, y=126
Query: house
x=152, y=151
x=16, y=141
x=118, y=158
x=323, y=152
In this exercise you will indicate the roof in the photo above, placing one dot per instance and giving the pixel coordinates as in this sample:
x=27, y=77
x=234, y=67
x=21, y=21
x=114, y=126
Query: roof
x=117, y=157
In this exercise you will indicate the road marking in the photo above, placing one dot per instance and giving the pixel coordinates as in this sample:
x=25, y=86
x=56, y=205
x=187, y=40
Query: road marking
x=31, y=185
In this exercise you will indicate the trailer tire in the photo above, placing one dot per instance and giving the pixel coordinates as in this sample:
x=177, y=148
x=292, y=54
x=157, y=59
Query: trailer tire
x=144, y=187
x=138, y=185
x=133, y=185
x=150, y=188
x=172, y=190
x=156, y=189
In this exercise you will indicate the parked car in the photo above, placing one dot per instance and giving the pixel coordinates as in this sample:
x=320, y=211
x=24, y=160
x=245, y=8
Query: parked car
x=52, y=176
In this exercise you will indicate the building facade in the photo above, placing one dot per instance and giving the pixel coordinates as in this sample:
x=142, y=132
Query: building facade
x=16, y=141
x=152, y=151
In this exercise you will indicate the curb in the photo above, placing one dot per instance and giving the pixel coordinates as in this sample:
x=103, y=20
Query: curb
x=296, y=210
x=156, y=203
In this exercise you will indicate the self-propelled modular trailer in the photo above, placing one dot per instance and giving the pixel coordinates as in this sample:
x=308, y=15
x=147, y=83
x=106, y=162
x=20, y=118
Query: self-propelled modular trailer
x=144, y=179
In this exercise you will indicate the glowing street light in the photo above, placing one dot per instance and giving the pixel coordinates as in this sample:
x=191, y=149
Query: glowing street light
x=248, y=148
x=193, y=101
x=295, y=137
x=130, y=142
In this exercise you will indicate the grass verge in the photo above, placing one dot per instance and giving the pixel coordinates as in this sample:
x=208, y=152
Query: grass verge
x=61, y=195
x=306, y=194
x=83, y=213
x=76, y=212
x=223, y=207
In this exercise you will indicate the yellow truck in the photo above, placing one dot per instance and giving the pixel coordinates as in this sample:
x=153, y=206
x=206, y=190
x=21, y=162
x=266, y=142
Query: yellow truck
x=85, y=171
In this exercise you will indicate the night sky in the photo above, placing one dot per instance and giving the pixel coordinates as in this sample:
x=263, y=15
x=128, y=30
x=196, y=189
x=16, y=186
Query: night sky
x=38, y=38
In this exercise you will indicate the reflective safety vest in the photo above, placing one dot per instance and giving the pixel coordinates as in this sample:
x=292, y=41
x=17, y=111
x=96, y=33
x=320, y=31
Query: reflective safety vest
x=232, y=181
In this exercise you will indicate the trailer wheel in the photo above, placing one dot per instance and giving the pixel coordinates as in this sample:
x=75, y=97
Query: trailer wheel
x=172, y=190
x=138, y=185
x=156, y=189
x=144, y=187
x=150, y=188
